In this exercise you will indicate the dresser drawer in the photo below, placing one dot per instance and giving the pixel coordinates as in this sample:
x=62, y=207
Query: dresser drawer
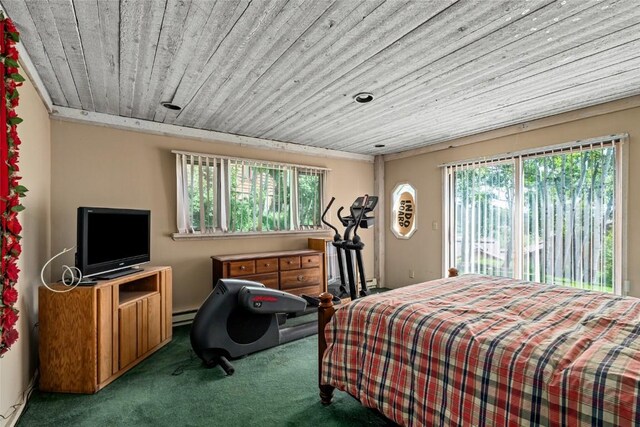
x=270, y=280
x=307, y=261
x=290, y=263
x=242, y=268
x=312, y=291
x=266, y=265
x=300, y=278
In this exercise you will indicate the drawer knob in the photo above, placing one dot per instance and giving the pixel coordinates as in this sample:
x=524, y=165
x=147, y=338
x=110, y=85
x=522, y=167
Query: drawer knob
x=301, y=278
x=288, y=262
x=267, y=265
x=242, y=267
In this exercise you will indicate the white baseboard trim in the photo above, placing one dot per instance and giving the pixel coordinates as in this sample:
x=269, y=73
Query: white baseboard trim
x=183, y=317
x=13, y=419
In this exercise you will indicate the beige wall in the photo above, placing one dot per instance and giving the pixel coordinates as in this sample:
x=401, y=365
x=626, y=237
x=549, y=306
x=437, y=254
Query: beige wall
x=423, y=252
x=99, y=166
x=18, y=365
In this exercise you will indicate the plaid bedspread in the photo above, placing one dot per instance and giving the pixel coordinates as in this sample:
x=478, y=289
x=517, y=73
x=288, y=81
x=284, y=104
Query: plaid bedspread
x=485, y=351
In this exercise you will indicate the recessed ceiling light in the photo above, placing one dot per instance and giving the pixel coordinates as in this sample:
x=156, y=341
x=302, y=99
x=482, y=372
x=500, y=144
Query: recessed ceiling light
x=379, y=145
x=171, y=106
x=363, y=97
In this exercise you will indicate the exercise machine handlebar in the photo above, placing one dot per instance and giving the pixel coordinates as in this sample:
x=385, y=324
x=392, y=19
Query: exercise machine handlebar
x=336, y=236
x=343, y=220
x=356, y=238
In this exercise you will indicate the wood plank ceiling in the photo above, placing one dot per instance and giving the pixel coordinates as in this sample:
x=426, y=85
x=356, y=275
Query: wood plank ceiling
x=287, y=70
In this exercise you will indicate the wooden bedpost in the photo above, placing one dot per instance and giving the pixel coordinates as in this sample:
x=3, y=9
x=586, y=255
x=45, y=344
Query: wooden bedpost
x=453, y=272
x=325, y=313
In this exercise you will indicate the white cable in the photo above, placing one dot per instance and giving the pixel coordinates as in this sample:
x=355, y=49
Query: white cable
x=66, y=270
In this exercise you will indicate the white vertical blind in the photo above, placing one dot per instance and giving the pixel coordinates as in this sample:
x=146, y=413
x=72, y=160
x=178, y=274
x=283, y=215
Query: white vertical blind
x=218, y=194
x=483, y=206
x=547, y=216
x=183, y=214
x=574, y=244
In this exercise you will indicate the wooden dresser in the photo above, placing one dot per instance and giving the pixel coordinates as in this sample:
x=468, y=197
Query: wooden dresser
x=91, y=335
x=297, y=272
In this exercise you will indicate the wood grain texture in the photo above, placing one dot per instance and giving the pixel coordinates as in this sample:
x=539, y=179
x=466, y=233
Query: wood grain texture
x=301, y=278
x=167, y=304
x=287, y=70
x=105, y=333
x=270, y=280
x=290, y=274
x=242, y=268
x=67, y=348
x=289, y=263
x=320, y=245
x=325, y=313
x=154, y=322
x=267, y=265
x=128, y=334
x=307, y=261
x=256, y=255
x=108, y=328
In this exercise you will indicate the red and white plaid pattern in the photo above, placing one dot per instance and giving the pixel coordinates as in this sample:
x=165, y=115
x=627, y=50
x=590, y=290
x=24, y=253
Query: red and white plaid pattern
x=486, y=351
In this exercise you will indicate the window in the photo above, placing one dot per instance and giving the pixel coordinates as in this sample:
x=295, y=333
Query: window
x=222, y=195
x=551, y=216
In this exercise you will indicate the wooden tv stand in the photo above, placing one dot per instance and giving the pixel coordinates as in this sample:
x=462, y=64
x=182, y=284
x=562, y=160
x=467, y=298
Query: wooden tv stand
x=93, y=334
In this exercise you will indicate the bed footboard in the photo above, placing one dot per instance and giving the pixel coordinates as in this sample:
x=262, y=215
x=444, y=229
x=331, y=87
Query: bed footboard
x=325, y=313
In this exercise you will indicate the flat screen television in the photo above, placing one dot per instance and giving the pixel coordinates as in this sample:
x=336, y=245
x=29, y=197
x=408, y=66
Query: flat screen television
x=111, y=241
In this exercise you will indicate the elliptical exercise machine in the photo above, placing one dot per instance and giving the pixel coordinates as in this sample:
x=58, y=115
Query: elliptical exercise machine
x=358, y=218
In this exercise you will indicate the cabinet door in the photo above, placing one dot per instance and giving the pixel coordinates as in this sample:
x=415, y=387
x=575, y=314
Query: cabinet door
x=154, y=324
x=128, y=334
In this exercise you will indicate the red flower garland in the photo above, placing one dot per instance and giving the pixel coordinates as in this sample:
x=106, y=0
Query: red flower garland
x=10, y=189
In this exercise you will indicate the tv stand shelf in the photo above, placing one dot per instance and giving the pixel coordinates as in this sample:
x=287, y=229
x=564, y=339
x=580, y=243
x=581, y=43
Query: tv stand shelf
x=93, y=334
x=131, y=297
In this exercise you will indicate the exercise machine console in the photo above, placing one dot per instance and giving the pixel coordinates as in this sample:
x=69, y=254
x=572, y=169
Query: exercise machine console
x=241, y=317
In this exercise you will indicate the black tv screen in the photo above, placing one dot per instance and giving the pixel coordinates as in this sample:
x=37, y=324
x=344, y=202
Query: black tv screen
x=112, y=239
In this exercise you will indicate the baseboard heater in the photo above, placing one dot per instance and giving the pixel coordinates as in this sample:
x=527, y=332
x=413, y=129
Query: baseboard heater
x=180, y=318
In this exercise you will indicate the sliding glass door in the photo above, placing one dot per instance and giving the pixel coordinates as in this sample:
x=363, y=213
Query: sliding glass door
x=541, y=216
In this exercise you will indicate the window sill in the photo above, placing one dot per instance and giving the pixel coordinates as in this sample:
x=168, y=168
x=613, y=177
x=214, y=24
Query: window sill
x=221, y=235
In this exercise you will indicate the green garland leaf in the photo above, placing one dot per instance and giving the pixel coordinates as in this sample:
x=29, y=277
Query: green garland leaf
x=20, y=189
x=14, y=36
x=17, y=208
x=17, y=77
x=14, y=121
x=10, y=63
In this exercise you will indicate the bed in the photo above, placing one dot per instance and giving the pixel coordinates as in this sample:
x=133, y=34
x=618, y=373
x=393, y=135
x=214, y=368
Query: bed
x=485, y=351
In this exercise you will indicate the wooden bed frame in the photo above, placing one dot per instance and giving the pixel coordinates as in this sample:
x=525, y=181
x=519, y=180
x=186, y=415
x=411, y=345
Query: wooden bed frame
x=325, y=313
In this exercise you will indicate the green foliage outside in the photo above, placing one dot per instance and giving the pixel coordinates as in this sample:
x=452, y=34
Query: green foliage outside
x=208, y=198
x=259, y=199
x=567, y=219
x=309, y=209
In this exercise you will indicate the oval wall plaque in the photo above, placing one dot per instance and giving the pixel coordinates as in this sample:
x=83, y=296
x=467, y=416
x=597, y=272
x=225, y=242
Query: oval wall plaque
x=406, y=210
x=403, y=211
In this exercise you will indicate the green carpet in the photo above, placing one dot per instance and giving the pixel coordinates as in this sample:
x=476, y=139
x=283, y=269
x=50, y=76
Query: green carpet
x=275, y=387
